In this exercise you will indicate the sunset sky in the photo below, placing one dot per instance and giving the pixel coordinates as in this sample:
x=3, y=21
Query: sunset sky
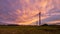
x=26, y=12
x=51, y=12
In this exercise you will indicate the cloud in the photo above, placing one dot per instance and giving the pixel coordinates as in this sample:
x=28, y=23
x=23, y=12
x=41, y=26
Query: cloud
x=19, y=11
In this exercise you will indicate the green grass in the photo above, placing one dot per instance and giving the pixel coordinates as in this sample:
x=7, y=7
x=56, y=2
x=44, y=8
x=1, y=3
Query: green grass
x=29, y=29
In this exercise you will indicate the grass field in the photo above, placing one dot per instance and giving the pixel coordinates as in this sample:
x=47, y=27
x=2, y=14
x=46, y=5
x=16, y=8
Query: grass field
x=29, y=29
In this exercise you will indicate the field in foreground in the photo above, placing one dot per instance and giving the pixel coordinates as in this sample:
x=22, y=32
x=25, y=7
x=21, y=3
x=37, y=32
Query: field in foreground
x=29, y=29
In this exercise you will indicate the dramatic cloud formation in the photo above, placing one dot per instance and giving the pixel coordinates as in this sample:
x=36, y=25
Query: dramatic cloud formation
x=29, y=12
x=23, y=12
x=51, y=13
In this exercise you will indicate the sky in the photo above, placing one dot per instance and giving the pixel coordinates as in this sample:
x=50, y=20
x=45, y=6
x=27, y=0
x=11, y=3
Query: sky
x=51, y=13
x=26, y=12
x=22, y=12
